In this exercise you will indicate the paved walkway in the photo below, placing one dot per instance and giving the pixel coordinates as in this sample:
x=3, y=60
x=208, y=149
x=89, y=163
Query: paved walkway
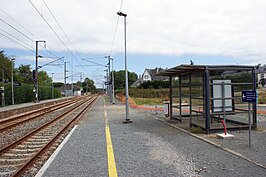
x=146, y=147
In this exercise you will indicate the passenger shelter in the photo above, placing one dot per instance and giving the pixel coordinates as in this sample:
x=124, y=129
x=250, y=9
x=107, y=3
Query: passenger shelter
x=204, y=95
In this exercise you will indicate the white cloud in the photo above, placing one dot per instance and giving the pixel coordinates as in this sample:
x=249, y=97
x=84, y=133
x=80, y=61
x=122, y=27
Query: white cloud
x=210, y=27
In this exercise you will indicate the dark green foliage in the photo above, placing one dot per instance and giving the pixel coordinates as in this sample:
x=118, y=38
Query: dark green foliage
x=149, y=93
x=24, y=93
x=155, y=84
x=88, y=85
x=58, y=84
x=119, y=77
x=44, y=79
x=5, y=66
x=23, y=74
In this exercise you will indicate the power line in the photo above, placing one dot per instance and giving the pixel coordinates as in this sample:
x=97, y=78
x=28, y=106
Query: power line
x=17, y=42
x=16, y=38
x=54, y=31
x=60, y=27
x=117, y=21
x=62, y=30
x=15, y=29
x=22, y=32
x=18, y=23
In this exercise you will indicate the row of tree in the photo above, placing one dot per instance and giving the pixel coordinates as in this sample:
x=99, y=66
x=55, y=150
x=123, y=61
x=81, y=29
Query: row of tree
x=22, y=74
x=119, y=77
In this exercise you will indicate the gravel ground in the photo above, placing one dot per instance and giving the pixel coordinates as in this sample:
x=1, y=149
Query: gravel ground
x=146, y=147
x=257, y=151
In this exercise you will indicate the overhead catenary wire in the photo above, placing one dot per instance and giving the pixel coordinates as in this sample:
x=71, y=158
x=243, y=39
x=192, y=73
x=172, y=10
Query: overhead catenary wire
x=23, y=43
x=54, y=31
x=61, y=27
x=17, y=30
x=17, y=42
x=115, y=31
x=18, y=23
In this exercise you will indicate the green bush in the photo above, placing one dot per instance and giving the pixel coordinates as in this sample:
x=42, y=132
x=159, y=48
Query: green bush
x=24, y=93
x=149, y=93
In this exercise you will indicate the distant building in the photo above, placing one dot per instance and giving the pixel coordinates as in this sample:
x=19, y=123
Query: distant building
x=69, y=92
x=261, y=76
x=149, y=75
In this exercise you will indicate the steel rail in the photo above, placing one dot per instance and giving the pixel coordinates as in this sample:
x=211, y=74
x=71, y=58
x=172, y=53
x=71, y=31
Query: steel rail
x=12, y=118
x=48, y=145
x=18, y=141
x=37, y=115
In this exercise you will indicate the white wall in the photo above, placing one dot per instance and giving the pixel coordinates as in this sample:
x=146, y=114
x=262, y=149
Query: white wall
x=146, y=76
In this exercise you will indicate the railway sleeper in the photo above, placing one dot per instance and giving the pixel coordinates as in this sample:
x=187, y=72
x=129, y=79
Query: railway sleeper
x=15, y=162
x=24, y=151
x=30, y=146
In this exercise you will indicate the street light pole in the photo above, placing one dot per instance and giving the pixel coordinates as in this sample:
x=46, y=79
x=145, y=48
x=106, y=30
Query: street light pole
x=127, y=120
x=36, y=71
x=65, y=77
x=109, y=78
x=12, y=79
x=106, y=82
x=52, y=85
x=113, y=82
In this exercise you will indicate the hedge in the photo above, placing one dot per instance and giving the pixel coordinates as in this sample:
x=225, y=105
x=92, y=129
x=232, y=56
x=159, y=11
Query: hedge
x=24, y=93
x=147, y=93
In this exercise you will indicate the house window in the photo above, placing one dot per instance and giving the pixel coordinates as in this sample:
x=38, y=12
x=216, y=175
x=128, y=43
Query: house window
x=146, y=77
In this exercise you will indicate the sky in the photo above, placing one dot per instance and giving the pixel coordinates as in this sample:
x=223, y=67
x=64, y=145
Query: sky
x=159, y=34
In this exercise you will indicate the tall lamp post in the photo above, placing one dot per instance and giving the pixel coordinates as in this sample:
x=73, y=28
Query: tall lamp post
x=111, y=90
x=113, y=82
x=52, y=85
x=36, y=71
x=127, y=120
x=12, y=79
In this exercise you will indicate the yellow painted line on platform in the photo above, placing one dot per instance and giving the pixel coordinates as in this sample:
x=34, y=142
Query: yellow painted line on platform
x=110, y=153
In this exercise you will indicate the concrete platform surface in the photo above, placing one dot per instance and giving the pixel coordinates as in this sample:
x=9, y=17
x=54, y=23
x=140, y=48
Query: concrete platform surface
x=145, y=147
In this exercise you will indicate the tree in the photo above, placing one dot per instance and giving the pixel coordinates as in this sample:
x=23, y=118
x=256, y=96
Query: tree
x=119, y=77
x=88, y=85
x=58, y=84
x=155, y=84
x=43, y=78
x=5, y=66
x=24, y=74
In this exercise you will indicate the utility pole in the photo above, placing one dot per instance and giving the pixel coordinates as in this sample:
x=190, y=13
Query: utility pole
x=36, y=72
x=65, y=77
x=127, y=120
x=3, y=88
x=109, y=79
x=113, y=82
x=52, y=85
x=81, y=82
x=12, y=79
x=106, y=82
x=72, y=87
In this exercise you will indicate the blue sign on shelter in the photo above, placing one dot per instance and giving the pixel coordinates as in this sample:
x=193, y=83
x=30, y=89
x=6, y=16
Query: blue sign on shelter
x=249, y=96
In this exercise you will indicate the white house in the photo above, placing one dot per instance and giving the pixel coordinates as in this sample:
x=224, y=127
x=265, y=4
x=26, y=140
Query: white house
x=261, y=76
x=149, y=75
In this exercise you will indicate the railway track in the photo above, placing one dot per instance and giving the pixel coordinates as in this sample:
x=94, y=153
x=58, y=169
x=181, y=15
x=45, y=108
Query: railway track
x=13, y=121
x=25, y=156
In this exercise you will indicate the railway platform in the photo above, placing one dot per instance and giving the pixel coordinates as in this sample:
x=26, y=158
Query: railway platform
x=24, y=107
x=101, y=145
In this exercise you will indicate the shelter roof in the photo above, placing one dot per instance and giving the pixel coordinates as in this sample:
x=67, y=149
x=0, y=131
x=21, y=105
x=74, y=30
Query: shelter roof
x=182, y=69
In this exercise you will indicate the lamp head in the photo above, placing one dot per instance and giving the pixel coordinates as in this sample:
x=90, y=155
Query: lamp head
x=121, y=14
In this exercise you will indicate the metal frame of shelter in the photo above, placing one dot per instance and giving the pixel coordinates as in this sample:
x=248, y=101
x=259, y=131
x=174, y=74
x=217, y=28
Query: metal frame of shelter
x=205, y=95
